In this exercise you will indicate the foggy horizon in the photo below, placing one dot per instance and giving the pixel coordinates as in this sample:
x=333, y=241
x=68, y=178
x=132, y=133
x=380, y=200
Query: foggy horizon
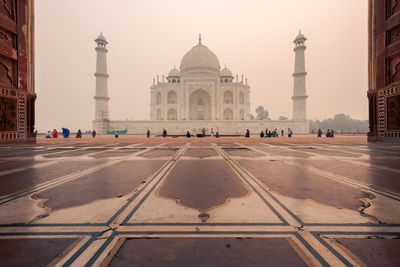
x=148, y=38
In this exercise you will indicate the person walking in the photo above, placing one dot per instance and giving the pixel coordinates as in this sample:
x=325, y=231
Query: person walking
x=247, y=133
x=319, y=133
x=164, y=133
x=212, y=132
x=203, y=131
x=148, y=133
x=94, y=134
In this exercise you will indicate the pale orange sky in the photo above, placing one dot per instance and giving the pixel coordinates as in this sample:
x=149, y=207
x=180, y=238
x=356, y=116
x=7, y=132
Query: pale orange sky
x=147, y=38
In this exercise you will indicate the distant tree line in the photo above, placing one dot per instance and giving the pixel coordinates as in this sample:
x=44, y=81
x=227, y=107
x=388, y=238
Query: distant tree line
x=340, y=123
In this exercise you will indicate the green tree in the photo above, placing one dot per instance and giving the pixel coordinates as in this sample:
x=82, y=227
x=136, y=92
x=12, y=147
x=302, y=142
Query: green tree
x=340, y=122
x=262, y=114
x=283, y=118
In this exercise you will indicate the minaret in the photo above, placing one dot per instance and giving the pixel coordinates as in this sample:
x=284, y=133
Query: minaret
x=299, y=80
x=101, y=97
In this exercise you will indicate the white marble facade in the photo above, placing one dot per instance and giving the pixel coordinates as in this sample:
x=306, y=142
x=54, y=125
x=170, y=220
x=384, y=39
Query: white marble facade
x=199, y=95
x=200, y=91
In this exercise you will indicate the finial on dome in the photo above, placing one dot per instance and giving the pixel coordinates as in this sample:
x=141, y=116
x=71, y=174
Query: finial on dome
x=200, y=38
x=174, y=66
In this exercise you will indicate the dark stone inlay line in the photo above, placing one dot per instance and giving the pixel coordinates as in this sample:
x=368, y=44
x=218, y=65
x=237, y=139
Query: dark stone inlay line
x=111, y=182
x=381, y=178
x=331, y=249
x=312, y=250
x=169, y=164
x=235, y=166
x=303, y=184
x=26, y=179
x=374, y=252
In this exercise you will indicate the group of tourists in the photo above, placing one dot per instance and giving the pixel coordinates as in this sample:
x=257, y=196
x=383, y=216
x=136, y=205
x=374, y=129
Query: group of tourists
x=275, y=133
x=66, y=133
x=188, y=134
x=329, y=133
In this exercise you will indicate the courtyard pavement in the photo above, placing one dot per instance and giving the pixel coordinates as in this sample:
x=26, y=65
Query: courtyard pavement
x=236, y=201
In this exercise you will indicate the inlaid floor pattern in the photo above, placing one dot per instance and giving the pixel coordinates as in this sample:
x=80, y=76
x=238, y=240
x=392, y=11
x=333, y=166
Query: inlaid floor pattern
x=208, y=204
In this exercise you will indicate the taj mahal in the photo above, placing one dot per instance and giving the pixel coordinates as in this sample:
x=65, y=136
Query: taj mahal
x=200, y=95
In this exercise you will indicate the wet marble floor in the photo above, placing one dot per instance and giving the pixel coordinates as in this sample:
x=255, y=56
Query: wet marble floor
x=182, y=203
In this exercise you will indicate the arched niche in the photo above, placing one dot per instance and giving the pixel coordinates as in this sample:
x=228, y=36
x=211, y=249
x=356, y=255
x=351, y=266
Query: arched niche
x=228, y=114
x=172, y=97
x=172, y=114
x=200, y=105
x=228, y=97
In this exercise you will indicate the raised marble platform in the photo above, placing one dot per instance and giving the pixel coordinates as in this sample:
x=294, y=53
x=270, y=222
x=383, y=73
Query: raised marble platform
x=223, y=127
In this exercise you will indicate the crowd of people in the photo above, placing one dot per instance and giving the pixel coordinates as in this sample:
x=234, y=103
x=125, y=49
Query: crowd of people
x=66, y=133
x=275, y=133
x=201, y=133
x=329, y=133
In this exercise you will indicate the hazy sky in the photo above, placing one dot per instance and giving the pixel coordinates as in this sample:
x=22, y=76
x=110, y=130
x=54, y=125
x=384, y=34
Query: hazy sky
x=146, y=38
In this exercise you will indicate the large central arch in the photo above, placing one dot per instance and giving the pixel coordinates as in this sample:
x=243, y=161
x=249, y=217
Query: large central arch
x=200, y=105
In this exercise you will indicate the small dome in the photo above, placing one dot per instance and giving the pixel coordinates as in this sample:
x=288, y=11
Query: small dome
x=200, y=58
x=300, y=38
x=226, y=73
x=174, y=73
x=101, y=38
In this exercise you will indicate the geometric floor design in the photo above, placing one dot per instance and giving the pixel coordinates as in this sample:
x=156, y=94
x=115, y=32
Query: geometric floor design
x=200, y=202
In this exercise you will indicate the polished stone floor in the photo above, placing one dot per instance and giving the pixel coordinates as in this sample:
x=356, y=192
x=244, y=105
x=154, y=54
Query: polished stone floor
x=185, y=202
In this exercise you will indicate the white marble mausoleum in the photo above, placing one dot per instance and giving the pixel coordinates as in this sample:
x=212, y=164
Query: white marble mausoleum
x=199, y=95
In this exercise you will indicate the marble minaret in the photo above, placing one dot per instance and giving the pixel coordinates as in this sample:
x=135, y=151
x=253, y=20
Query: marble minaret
x=101, y=97
x=299, y=83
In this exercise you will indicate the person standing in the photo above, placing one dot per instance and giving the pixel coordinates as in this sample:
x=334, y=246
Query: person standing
x=79, y=134
x=212, y=132
x=203, y=131
x=282, y=132
x=55, y=133
x=65, y=132
x=290, y=132
x=164, y=133
x=93, y=133
x=262, y=134
x=187, y=134
x=247, y=133
x=148, y=133
x=319, y=133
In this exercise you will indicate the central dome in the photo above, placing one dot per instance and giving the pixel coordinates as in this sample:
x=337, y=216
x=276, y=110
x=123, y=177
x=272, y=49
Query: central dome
x=200, y=59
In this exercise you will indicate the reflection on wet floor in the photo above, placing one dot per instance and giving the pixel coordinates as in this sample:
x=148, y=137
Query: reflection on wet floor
x=207, y=252
x=209, y=184
x=209, y=203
